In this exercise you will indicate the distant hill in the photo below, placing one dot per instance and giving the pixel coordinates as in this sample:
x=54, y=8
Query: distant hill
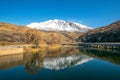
x=59, y=25
x=110, y=33
x=14, y=34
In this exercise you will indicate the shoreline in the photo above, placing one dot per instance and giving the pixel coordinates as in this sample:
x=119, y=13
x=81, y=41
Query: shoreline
x=12, y=49
x=19, y=49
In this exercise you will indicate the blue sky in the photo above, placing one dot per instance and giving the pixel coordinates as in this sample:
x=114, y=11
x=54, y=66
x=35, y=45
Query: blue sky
x=94, y=13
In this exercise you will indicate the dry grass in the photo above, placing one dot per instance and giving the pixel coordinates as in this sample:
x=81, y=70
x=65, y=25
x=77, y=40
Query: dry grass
x=31, y=50
x=54, y=47
x=12, y=34
x=10, y=51
x=42, y=49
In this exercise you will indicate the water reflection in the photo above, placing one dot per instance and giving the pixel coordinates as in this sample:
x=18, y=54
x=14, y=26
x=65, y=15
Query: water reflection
x=57, y=59
x=34, y=63
x=65, y=61
x=10, y=61
x=107, y=55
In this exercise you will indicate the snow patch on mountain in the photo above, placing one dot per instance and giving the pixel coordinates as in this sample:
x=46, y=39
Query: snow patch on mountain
x=59, y=25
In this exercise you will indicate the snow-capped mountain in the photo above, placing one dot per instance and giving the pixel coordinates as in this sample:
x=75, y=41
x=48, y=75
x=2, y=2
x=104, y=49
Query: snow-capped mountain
x=59, y=25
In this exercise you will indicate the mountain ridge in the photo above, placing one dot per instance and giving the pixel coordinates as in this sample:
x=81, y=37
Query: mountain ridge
x=11, y=34
x=109, y=33
x=59, y=25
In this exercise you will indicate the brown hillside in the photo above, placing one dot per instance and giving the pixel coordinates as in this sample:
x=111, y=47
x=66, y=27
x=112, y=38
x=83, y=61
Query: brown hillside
x=13, y=34
x=110, y=33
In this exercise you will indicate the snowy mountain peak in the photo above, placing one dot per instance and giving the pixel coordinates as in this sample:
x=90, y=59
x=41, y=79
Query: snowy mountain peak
x=59, y=25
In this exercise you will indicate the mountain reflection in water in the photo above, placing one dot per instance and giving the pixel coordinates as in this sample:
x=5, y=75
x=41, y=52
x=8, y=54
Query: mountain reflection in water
x=65, y=57
x=65, y=61
x=55, y=60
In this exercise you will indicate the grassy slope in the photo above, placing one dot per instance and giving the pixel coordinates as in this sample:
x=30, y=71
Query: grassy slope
x=13, y=34
x=110, y=33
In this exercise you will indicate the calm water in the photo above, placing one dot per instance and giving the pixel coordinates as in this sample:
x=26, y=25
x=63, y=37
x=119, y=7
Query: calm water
x=66, y=63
